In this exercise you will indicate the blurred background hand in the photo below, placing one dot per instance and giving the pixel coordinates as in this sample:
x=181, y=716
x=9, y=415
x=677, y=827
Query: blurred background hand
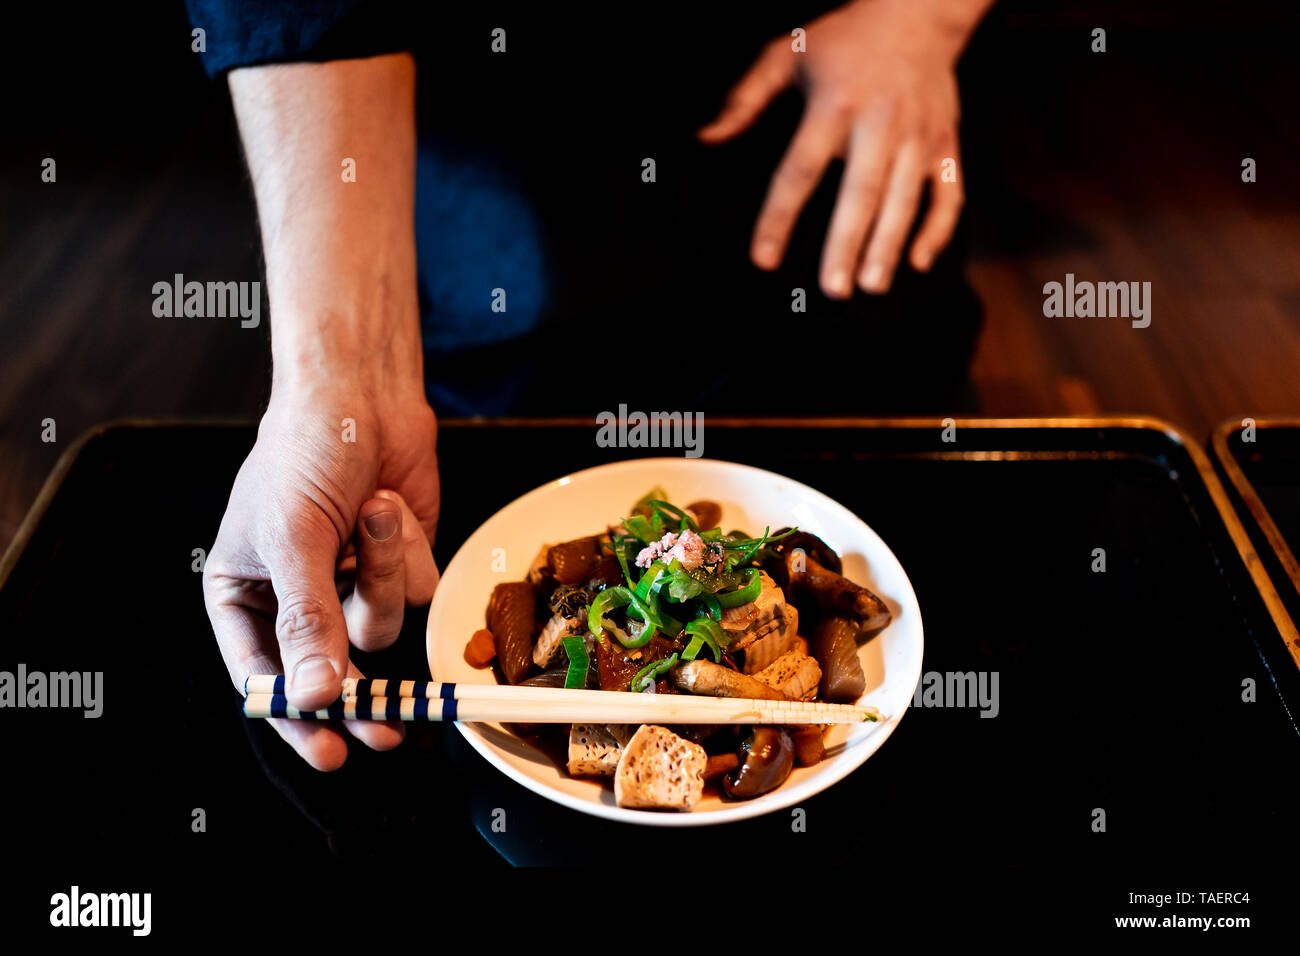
x=880, y=94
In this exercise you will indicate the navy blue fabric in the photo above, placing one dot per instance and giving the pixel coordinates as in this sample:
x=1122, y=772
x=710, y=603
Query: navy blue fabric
x=253, y=32
x=476, y=231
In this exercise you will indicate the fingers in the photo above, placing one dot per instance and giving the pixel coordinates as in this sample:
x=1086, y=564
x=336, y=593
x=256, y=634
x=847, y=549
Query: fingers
x=375, y=734
x=323, y=745
x=809, y=153
x=394, y=568
x=421, y=570
x=386, y=575
x=855, y=207
x=309, y=625
x=903, y=194
x=246, y=638
x=320, y=744
x=946, y=201
x=248, y=647
x=244, y=634
x=772, y=72
x=375, y=608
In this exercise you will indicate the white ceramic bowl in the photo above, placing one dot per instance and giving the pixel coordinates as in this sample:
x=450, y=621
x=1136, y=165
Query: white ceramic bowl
x=588, y=501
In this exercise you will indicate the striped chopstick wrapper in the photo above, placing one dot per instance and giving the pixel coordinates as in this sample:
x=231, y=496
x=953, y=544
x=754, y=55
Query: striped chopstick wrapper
x=561, y=708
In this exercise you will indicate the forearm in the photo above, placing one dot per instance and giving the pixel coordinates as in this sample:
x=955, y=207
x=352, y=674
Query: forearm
x=340, y=254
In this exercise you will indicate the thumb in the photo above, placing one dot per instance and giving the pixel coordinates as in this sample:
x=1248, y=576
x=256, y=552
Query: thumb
x=309, y=624
x=771, y=73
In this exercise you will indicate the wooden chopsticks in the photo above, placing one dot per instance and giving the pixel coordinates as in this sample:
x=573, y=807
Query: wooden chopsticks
x=432, y=700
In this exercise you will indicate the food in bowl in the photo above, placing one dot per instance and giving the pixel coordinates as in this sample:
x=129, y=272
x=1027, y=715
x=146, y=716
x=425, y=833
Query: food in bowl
x=664, y=602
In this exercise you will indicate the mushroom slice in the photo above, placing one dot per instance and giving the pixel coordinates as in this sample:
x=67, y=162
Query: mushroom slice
x=660, y=771
x=835, y=593
x=714, y=680
x=622, y=732
x=769, y=758
x=707, y=514
x=809, y=744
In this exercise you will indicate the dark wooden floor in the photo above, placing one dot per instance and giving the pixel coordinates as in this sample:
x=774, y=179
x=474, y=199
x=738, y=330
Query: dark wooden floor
x=1132, y=171
x=1117, y=167
x=78, y=260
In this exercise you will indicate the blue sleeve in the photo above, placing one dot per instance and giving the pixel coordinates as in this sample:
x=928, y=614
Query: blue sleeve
x=251, y=32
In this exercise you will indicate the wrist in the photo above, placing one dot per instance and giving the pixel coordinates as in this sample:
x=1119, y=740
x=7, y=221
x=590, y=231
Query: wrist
x=331, y=348
x=955, y=21
x=372, y=401
x=949, y=23
x=379, y=380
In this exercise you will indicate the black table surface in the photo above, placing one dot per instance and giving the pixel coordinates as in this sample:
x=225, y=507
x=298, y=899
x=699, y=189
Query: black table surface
x=1120, y=691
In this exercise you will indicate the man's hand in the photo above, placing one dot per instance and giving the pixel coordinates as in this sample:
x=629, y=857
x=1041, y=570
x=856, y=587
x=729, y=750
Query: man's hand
x=881, y=94
x=342, y=484
x=305, y=520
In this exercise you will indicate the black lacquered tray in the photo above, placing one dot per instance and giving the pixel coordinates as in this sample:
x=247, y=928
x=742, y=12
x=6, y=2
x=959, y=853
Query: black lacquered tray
x=1119, y=690
x=1260, y=462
